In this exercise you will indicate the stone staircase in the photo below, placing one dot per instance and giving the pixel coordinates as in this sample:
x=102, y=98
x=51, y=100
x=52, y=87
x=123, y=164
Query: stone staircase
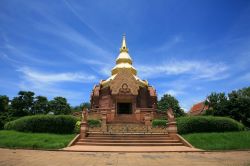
x=125, y=134
x=130, y=139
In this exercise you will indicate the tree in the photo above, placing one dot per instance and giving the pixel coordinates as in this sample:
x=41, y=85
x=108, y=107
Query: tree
x=40, y=105
x=4, y=103
x=86, y=105
x=168, y=101
x=59, y=105
x=22, y=104
x=236, y=105
x=239, y=105
x=80, y=107
x=217, y=103
x=4, y=107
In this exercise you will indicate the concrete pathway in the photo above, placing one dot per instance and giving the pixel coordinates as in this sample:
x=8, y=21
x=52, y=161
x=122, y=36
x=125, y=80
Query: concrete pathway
x=60, y=158
x=84, y=148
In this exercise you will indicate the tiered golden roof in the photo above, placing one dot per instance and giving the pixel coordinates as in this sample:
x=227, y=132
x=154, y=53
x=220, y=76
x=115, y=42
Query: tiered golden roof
x=124, y=62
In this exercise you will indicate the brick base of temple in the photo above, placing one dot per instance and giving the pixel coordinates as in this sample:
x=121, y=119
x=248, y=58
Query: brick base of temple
x=121, y=133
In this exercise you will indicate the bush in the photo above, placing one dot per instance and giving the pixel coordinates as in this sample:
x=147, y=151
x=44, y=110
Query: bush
x=91, y=123
x=77, y=127
x=159, y=122
x=94, y=123
x=4, y=118
x=197, y=124
x=61, y=124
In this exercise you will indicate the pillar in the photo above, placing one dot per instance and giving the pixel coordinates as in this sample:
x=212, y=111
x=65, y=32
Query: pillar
x=104, y=121
x=138, y=114
x=84, y=124
x=112, y=115
x=147, y=119
x=171, y=125
x=172, y=129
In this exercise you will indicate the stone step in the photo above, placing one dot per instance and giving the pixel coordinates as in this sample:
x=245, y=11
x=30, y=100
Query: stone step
x=129, y=141
x=99, y=139
x=128, y=135
x=129, y=138
x=129, y=144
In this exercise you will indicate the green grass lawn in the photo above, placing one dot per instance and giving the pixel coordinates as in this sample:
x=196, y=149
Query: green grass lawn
x=220, y=141
x=14, y=139
x=206, y=141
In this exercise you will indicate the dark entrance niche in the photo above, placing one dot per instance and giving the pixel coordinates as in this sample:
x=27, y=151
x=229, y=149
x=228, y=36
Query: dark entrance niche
x=124, y=108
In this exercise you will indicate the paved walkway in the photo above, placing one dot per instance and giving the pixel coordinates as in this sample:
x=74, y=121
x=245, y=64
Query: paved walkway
x=84, y=148
x=61, y=158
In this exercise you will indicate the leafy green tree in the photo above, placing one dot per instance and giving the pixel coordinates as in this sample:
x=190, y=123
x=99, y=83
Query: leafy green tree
x=59, y=105
x=86, y=105
x=168, y=101
x=4, y=110
x=239, y=105
x=4, y=103
x=40, y=105
x=22, y=104
x=80, y=107
x=236, y=105
x=77, y=108
x=217, y=103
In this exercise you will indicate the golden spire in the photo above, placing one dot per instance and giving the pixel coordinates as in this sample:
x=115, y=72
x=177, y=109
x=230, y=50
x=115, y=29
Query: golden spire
x=123, y=62
x=123, y=47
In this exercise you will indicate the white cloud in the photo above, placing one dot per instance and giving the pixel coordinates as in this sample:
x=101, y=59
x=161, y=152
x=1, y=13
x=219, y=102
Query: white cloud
x=20, y=55
x=196, y=69
x=43, y=77
x=79, y=16
x=170, y=44
x=174, y=92
x=74, y=37
x=51, y=90
x=51, y=84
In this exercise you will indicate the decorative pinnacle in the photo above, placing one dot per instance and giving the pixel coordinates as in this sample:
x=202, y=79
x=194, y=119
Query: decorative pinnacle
x=124, y=47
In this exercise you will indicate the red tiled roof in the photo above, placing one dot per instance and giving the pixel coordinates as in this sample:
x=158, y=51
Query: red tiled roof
x=198, y=108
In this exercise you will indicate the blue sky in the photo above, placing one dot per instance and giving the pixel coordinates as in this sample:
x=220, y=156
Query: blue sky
x=187, y=48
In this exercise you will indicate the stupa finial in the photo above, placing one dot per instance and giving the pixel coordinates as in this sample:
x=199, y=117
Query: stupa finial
x=124, y=46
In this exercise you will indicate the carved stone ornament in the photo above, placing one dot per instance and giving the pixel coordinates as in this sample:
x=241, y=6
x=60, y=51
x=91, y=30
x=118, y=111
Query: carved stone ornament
x=124, y=89
x=124, y=83
x=170, y=115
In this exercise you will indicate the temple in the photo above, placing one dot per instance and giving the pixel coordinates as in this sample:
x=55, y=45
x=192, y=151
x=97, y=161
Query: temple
x=124, y=107
x=124, y=96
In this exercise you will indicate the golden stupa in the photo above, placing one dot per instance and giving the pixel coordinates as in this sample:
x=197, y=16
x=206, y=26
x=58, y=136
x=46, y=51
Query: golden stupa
x=123, y=62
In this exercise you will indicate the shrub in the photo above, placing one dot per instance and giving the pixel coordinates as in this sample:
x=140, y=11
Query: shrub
x=91, y=123
x=196, y=124
x=4, y=118
x=77, y=127
x=61, y=124
x=94, y=123
x=159, y=122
